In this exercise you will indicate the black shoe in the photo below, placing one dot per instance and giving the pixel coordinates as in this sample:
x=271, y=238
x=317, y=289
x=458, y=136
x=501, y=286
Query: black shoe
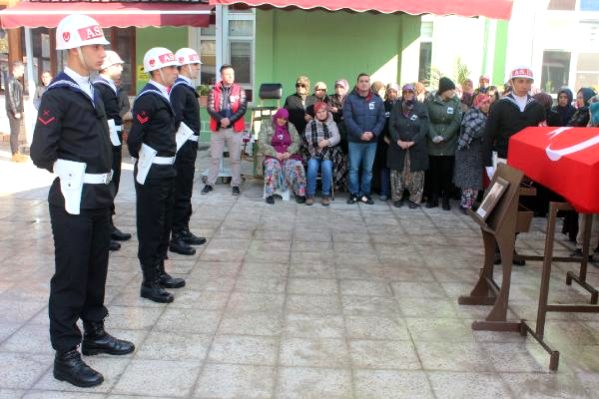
x=150, y=287
x=517, y=261
x=270, y=200
x=167, y=281
x=432, y=204
x=367, y=199
x=300, y=199
x=445, y=204
x=398, y=204
x=235, y=191
x=413, y=205
x=179, y=246
x=577, y=253
x=192, y=239
x=352, y=199
x=114, y=246
x=69, y=367
x=97, y=340
x=207, y=188
x=118, y=235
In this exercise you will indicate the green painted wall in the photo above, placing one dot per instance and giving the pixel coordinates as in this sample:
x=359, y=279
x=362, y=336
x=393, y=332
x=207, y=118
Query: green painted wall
x=146, y=38
x=327, y=46
x=500, y=53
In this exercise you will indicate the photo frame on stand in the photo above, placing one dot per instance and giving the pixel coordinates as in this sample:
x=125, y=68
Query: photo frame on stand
x=492, y=197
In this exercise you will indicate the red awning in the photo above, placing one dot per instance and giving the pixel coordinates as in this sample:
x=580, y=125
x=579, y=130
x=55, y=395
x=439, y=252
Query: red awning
x=498, y=9
x=139, y=14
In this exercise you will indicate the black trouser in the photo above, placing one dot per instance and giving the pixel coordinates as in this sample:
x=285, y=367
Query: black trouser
x=185, y=165
x=15, y=129
x=117, y=157
x=77, y=288
x=441, y=175
x=154, y=219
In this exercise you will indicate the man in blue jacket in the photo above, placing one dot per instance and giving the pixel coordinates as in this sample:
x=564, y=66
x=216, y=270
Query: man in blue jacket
x=364, y=114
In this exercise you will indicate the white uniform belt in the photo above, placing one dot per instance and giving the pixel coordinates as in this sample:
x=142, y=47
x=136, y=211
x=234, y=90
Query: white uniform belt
x=97, y=178
x=193, y=138
x=163, y=160
x=118, y=128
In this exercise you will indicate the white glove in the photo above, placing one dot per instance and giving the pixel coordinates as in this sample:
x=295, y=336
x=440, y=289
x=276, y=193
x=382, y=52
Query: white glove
x=490, y=171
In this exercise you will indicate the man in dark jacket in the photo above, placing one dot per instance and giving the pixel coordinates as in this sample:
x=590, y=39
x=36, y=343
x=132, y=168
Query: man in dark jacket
x=152, y=142
x=512, y=113
x=364, y=114
x=15, y=108
x=71, y=139
x=111, y=70
x=184, y=99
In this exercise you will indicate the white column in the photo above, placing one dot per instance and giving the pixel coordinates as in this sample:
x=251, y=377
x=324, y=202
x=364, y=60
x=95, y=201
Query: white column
x=30, y=111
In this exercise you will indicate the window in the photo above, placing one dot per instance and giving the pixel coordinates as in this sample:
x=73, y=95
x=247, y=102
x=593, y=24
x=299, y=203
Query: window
x=122, y=41
x=208, y=55
x=241, y=57
x=589, y=5
x=426, y=54
x=239, y=47
x=563, y=5
x=587, y=70
x=556, y=69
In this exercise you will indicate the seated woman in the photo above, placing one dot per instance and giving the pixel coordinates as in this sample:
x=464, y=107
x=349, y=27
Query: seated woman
x=322, y=135
x=280, y=142
x=407, y=155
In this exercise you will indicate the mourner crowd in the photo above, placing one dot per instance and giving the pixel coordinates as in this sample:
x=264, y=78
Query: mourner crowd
x=410, y=145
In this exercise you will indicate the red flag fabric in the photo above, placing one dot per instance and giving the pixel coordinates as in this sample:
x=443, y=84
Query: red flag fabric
x=564, y=159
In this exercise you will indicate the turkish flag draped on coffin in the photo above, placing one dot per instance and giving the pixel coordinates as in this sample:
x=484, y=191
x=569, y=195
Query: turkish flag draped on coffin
x=564, y=159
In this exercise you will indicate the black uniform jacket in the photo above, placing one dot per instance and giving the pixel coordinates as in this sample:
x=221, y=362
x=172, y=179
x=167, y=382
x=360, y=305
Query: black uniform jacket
x=184, y=100
x=505, y=119
x=153, y=124
x=72, y=126
x=111, y=102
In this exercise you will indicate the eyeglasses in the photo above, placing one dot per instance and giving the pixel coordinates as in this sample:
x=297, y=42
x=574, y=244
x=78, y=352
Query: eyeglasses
x=319, y=89
x=300, y=85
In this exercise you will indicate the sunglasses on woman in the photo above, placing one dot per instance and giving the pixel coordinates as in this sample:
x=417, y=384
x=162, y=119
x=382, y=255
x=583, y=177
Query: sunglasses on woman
x=300, y=85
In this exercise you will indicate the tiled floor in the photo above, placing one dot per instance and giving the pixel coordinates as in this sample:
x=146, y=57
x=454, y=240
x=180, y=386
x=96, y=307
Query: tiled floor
x=290, y=301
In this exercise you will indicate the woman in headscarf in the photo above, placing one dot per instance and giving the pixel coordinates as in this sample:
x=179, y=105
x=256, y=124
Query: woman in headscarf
x=380, y=172
x=469, y=166
x=340, y=168
x=581, y=116
x=279, y=141
x=320, y=96
x=298, y=103
x=407, y=156
x=561, y=114
x=322, y=136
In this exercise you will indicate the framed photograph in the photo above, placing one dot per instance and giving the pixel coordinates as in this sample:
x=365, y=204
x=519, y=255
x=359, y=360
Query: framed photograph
x=492, y=198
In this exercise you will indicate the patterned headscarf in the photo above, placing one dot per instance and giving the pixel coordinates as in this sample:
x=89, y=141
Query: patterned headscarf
x=480, y=100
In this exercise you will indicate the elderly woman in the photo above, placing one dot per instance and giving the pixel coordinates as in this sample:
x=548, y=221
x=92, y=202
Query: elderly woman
x=279, y=142
x=298, y=103
x=322, y=136
x=320, y=96
x=468, y=173
x=407, y=156
x=380, y=171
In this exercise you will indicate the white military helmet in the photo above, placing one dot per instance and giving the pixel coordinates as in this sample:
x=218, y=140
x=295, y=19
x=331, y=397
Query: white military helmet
x=159, y=57
x=112, y=58
x=78, y=30
x=521, y=72
x=187, y=56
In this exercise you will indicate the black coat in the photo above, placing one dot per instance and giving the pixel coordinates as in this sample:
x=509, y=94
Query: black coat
x=505, y=119
x=72, y=126
x=184, y=99
x=297, y=110
x=111, y=103
x=154, y=125
x=411, y=128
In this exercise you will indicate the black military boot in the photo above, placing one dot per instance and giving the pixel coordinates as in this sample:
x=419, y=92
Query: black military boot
x=118, y=235
x=69, y=367
x=167, y=281
x=97, y=340
x=192, y=239
x=180, y=246
x=150, y=287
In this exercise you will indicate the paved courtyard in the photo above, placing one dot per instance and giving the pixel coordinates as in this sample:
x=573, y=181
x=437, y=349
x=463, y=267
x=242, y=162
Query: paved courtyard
x=290, y=301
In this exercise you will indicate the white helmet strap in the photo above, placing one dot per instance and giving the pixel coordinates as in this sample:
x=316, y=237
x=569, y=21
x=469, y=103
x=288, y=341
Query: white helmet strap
x=81, y=57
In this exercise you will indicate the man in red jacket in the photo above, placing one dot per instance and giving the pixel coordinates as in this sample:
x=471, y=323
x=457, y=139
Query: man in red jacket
x=227, y=106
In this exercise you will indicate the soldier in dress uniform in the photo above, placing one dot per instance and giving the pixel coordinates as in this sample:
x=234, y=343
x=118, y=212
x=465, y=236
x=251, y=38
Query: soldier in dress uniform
x=72, y=140
x=152, y=142
x=111, y=70
x=184, y=99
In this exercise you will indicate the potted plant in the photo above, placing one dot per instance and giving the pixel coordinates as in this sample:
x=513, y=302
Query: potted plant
x=203, y=91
